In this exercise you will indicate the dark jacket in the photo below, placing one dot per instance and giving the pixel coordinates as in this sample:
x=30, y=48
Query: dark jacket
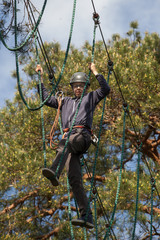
x=87, y=107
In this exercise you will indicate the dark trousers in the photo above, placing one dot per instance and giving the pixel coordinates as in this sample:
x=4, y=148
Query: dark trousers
x=78, y=143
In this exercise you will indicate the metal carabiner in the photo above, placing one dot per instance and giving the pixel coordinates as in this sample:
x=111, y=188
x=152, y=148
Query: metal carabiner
x=59, y=94
x=94, y=139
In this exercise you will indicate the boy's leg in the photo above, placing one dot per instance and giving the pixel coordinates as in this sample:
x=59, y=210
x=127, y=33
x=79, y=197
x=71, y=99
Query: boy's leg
x=52, y=173
x=60, y=160
x=79, y=143
x=75, y=179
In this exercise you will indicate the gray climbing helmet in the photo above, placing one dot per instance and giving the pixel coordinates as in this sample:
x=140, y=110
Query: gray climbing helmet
x=79, y=77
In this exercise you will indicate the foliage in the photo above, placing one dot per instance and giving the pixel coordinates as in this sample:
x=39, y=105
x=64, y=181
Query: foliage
x=30, y=208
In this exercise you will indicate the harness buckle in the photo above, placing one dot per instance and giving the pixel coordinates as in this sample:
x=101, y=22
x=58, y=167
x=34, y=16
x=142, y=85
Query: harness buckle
x=94, y=139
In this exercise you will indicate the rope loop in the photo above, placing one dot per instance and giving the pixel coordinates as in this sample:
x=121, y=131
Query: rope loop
x=94, y=191
x=125, y=107
x=153, y=183
x=96, y=18
x=139, y=145
x=110, y=65
x=94, y=197
x=51, y=75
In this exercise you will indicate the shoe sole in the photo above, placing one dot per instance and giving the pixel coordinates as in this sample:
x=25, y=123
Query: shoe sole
x=89, y=225
x=78, y=222
x=81, y=223
x=49, y=174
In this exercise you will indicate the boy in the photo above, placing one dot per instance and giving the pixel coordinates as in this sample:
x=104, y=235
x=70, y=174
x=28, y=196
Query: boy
x=80, y=138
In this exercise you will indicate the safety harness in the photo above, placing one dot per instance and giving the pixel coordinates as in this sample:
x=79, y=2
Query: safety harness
x=59, y=96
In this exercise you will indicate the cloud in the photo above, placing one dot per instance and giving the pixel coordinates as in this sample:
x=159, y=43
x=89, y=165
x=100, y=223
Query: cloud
x=7, y=83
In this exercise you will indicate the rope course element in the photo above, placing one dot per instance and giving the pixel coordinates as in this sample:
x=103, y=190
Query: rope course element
x=137, y=194
x=152, y=191
x=124, y=104
x=92, y=181
x=62, y=70
x=93, y=189
x=42, y=115
x=151, y=175
x=39, y=38
x=125, y=108
x=96, y=154
x=69, y=210
x=115, y=75
x=76, y=113
x=31, y=33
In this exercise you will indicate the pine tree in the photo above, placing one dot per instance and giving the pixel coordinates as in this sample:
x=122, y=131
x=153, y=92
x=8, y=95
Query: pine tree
x=30, y=207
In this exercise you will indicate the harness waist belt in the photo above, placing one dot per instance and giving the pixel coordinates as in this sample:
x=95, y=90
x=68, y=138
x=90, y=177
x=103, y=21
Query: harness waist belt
x=79, y=126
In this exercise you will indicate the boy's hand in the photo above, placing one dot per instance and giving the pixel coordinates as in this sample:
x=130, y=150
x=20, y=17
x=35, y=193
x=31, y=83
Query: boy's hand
x=39, y=68
x=92, y=67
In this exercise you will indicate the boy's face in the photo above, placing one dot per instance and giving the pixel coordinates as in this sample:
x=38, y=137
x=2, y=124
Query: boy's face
x=78, y=89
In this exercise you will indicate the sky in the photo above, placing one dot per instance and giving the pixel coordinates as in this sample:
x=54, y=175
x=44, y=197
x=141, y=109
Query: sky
x=115, y=17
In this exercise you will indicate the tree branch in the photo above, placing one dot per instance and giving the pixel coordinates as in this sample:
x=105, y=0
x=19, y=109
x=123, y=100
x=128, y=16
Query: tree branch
x=98, y=178
x=19, y=201
x=53, y=232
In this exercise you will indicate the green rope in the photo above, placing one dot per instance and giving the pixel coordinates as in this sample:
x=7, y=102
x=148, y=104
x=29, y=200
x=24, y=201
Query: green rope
x=30, y=35
x=95, y=215
x=84, y=229
x=20, y=89
x=69, y=41
x=77, y=110
x=152, y=191
x=60, y=76
x=42, y=115
x=76, y=204
x=85, y=233
x=60, y=125
x=97, y=151
x=137, y=197
x=69, y=210
x=67, y=140
x=120, y=174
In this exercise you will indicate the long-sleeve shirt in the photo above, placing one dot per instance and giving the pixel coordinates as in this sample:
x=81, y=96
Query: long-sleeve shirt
x=87, y=107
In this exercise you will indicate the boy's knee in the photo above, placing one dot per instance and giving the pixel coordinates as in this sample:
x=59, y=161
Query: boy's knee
x=61, y=146
x=74, y=181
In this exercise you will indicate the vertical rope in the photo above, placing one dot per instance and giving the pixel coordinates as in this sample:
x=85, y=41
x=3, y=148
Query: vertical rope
x=137, y=197
x=69, y=42
x=69, y=211
x=95, y=214
x=152, y=191
x=85, y=233
x=96, y=155
x=30, y=35
x=42, y=115
x=60, y=76
x=76, y=113
x=84, y=228
x=125, y=108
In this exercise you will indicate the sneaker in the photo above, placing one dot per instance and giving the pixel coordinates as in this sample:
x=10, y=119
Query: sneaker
x=81, y=222
x=78, y=222
x=49, y=174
